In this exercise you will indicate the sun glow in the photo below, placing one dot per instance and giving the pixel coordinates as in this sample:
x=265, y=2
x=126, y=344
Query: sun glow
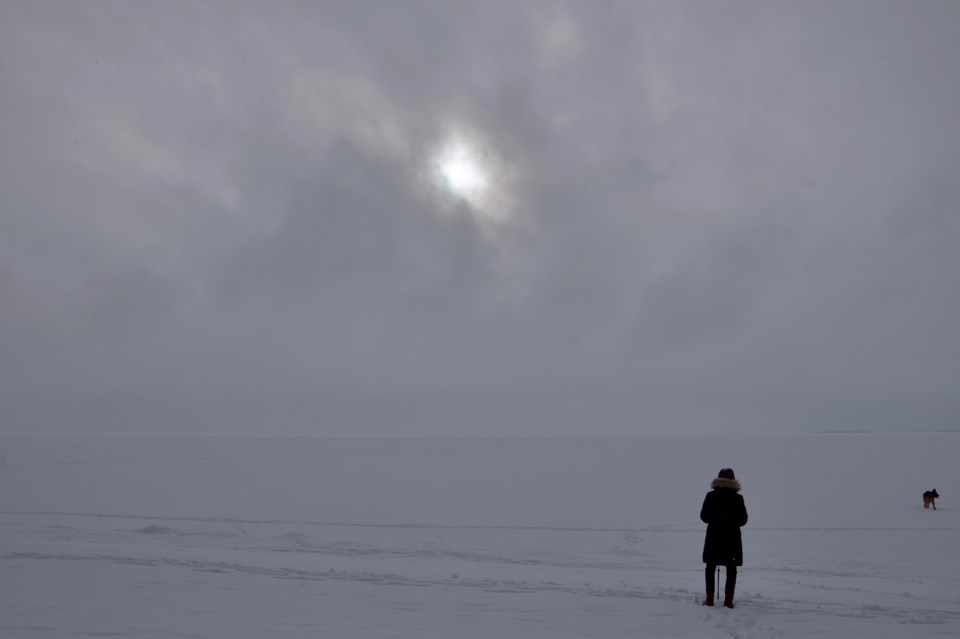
x=468, y=177
x=463, y=172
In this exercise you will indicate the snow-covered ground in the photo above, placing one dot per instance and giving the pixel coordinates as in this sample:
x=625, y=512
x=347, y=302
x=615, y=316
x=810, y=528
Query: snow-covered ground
x=272, y=537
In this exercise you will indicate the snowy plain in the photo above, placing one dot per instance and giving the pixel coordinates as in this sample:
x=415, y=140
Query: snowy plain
x=228, y=537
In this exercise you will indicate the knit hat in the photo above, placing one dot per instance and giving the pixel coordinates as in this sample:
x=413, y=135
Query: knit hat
x=726, y=473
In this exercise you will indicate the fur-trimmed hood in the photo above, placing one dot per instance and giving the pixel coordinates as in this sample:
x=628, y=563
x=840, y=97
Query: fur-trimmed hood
x=723, y=482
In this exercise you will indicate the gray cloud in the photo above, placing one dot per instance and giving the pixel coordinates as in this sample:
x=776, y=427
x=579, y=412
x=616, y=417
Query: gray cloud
x=225, y=216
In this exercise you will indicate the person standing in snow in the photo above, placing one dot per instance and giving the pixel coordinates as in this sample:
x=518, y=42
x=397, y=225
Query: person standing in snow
x=724, y=513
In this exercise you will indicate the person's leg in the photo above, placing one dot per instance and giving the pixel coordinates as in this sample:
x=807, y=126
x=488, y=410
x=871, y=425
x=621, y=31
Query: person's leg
x=731, y=583
x=729, y=586
x=711, y=584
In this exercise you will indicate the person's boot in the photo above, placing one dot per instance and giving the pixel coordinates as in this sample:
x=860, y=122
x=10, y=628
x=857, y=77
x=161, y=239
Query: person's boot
x=728, y=600
x=709, y=600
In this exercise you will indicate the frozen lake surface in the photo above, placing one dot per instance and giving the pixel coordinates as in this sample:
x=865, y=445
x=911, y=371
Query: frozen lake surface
x=429, y=538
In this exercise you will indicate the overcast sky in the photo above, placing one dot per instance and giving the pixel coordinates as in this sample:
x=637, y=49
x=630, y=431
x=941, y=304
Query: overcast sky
x=479, y=217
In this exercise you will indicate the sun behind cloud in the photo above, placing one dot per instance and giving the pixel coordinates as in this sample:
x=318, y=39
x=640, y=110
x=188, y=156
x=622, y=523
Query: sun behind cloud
x=463, y=171
x=470, y=177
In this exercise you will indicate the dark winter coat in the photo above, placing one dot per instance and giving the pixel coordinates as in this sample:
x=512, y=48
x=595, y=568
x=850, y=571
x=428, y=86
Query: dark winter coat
x=724, y=513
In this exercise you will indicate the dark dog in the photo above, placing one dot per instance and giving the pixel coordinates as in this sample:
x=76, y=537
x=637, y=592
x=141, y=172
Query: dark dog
x=930, y=498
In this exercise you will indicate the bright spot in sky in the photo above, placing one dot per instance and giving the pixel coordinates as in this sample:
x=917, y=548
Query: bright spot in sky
x=463, y=171
x=471, y=179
